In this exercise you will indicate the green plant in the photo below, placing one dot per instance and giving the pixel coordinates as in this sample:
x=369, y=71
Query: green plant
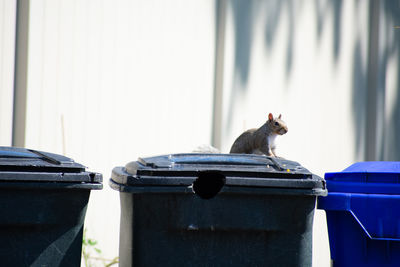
x=91, y=253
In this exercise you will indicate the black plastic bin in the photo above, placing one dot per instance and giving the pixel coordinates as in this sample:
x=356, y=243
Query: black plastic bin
x=216, y=210
x=43, y=200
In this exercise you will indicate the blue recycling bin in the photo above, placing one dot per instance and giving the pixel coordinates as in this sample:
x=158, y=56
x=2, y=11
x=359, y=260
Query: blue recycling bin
x=363, y=214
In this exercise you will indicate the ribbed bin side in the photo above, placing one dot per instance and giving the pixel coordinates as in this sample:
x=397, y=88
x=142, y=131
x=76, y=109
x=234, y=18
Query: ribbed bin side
x=364, y=229
x=42, y=227
x=163, y=229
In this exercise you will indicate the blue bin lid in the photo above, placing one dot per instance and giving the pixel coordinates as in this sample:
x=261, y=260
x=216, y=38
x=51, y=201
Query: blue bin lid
x=373, y=177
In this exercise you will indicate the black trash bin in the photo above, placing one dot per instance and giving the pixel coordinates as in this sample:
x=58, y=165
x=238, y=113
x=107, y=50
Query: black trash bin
x=216, y=210
x=43, y=200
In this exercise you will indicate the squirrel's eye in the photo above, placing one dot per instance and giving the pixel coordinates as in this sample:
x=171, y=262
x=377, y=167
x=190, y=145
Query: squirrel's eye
x=276, y=123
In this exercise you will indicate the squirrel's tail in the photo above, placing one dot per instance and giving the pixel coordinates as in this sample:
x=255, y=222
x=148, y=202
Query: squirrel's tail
x=206, y=149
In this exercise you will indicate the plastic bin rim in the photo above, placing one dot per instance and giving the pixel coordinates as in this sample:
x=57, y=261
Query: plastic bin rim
x=148, y=189
x=120, y=177
x=368, y=167
x=339, y=201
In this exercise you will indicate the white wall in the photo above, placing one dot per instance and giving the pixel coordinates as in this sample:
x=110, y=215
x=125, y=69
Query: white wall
x=306, y=60
x=7, y=46
x=110, y=81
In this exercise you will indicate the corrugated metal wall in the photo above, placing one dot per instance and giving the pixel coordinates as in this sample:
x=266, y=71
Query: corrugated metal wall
x=330, y=67
x=109, y=81
x=301, y=59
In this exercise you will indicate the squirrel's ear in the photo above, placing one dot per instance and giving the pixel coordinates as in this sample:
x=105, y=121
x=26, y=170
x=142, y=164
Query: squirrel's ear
x=270, y=117
x=280, y=116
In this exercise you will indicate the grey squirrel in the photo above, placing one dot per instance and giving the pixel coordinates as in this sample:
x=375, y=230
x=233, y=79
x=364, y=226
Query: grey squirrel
x=261, y=140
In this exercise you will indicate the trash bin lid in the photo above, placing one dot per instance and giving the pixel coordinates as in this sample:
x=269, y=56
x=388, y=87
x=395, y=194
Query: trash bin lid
x=239, y=170
x=23, y=165
x=372, y=177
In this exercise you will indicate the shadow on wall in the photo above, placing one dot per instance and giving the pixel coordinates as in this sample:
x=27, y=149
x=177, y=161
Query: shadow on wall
x=370, y=85
x=359, y=100
x=385, y=133
x=247, y=13
x=391, y=49
x=243, y=19
x=273, y=11
x=363, y=92
x=323, y=9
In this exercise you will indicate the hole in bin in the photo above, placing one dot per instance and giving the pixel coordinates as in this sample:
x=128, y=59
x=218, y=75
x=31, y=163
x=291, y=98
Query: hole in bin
x=208, y=184
x=92, y=176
